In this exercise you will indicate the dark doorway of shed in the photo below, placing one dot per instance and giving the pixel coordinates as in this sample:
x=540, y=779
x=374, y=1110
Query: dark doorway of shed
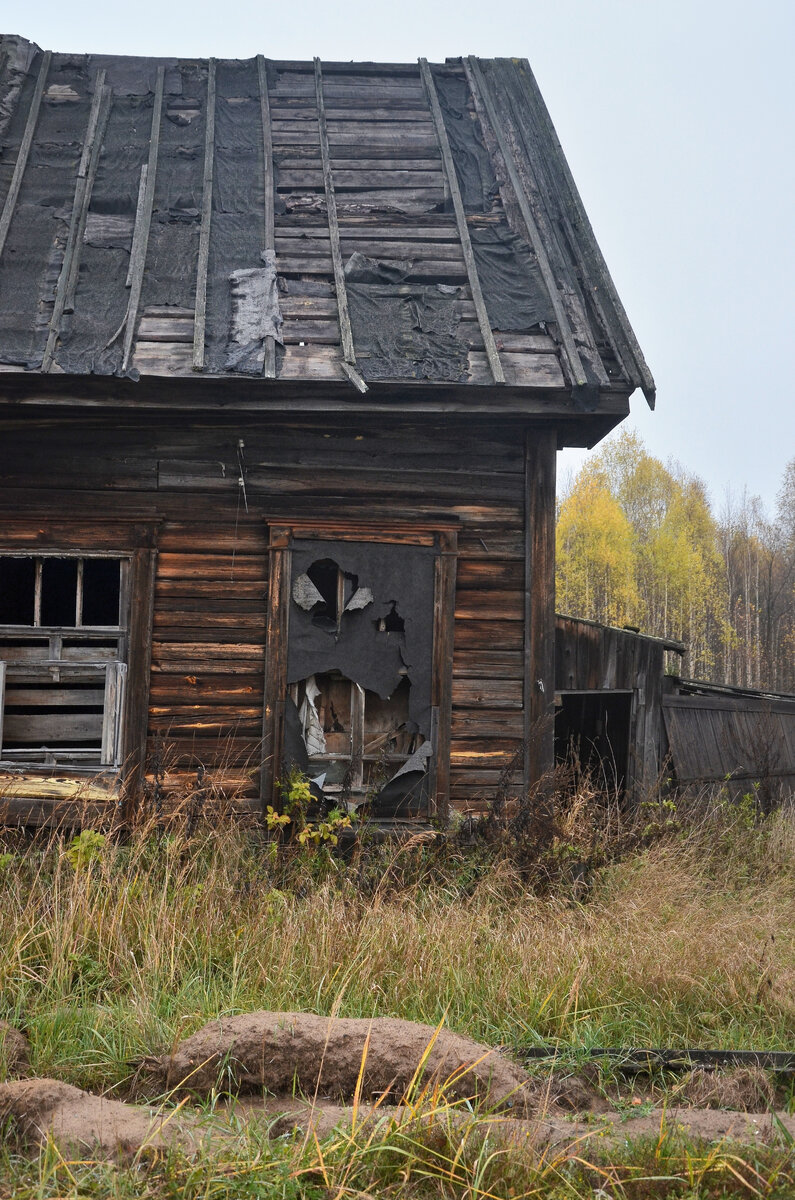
x=592, y=734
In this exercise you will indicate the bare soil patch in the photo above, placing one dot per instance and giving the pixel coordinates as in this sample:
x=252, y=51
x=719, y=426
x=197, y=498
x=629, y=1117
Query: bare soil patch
x=301, y=1053
x=301, y=1072
x=79, y=1121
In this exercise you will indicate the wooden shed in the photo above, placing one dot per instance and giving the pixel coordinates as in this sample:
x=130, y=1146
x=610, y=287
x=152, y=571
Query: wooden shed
x=286, y=353
x=623, y=710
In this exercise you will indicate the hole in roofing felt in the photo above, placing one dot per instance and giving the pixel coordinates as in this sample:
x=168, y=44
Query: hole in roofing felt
x=326, y=591
x=392, y=622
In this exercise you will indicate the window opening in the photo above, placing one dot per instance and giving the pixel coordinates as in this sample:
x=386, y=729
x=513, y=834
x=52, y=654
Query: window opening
x=63, y=650
x=356, y=740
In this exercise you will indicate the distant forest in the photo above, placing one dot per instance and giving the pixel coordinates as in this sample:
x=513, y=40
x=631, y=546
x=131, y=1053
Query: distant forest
x=639, y=544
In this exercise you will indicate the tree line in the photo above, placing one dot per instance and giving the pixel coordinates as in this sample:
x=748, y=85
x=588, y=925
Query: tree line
x=638, y=544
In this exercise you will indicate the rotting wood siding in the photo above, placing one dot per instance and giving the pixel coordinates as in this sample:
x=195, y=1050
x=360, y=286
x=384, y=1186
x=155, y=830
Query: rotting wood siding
x=599, y=658
x=177, y=484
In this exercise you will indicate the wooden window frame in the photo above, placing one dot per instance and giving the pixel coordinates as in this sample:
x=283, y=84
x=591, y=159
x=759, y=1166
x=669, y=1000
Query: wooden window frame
x=126, y=677
x=439, y=535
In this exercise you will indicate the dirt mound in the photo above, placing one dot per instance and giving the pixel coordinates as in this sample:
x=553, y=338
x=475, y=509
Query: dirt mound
x=289, y=1053
x=14, y=1049
x=744, y=1089
x=77, y=1120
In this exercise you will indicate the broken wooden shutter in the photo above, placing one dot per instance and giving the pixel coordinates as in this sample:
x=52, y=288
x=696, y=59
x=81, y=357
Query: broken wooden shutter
x=115, y=679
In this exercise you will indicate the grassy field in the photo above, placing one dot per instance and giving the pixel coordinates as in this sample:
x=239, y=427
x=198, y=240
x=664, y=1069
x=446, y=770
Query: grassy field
x=686, y=941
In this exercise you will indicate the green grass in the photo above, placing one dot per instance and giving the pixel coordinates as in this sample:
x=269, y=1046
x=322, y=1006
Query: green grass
x=687, y=943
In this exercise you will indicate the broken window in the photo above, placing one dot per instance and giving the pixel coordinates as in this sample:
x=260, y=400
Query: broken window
x=63, y=659
x=356, y=740
x=359, y=672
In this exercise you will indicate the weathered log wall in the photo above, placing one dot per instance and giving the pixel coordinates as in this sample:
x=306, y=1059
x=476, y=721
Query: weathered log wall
x=178, y=485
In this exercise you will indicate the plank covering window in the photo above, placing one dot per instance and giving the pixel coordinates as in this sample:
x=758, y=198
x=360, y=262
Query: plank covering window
x=63, y=659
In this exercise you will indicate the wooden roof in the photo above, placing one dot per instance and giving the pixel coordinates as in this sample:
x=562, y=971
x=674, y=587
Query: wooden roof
x=350, y=223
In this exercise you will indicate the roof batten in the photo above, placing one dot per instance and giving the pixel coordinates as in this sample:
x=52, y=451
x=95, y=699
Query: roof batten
x=269, y=363
x=478, y=82
x=24, y=151
x=140, y=245
x=461, y=221
x=67, y=279
x=200, y=306
x=346, y=333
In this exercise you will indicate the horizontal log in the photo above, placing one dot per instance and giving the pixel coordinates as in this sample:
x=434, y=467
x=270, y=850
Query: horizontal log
x=229, y=606
x=225, y=752
x=211, y=589
x=486, y=605
x=331, y=480
x=487, y=693
x=205, y=656
x=489, y=573
x=184, y=688
x=478, y=752
x=488, y=664
x=209, y=567
x=495, y=635
x=206, y=539
x=486, y=723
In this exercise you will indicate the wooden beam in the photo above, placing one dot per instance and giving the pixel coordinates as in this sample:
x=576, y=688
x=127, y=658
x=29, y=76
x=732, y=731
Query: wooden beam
x=279, y=570
x=67, y=279
x=200, y=308
x=539, y=600
x=138, y=257
x=346, y=333
x=615, y=319
x=24, y=151
x=269, y=363
x=482, y=91
x=461, y=221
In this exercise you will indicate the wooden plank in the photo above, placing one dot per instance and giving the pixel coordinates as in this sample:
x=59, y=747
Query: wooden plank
x=539, y=614
x=487, y=693
x=45, y=729
x=461, y=220
x=483, y=604
x=444, y=631
x=482, y=91
x=346, y=334
x=141, y=587
x=67, y=277
x=595, y=266
x=2, y=701
x=269, y=363
x=488, y=664
x=53, y=697
x=138, y=256
x=200, y=317
x=24, y=150
x=275, y=668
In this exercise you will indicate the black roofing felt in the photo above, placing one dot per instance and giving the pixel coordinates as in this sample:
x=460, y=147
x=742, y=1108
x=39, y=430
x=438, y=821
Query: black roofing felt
x=297, y=221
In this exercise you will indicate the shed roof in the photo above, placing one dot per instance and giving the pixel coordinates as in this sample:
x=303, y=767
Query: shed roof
x=362, y=223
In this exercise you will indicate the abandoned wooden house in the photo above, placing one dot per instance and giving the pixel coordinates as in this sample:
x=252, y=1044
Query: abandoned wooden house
x=287, y=350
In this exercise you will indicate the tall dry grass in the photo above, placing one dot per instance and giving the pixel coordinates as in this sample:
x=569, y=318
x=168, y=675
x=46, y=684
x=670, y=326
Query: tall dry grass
x=686, y=942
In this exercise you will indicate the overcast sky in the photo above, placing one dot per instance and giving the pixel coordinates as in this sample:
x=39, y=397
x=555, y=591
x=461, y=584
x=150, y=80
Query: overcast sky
x=677, y=120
